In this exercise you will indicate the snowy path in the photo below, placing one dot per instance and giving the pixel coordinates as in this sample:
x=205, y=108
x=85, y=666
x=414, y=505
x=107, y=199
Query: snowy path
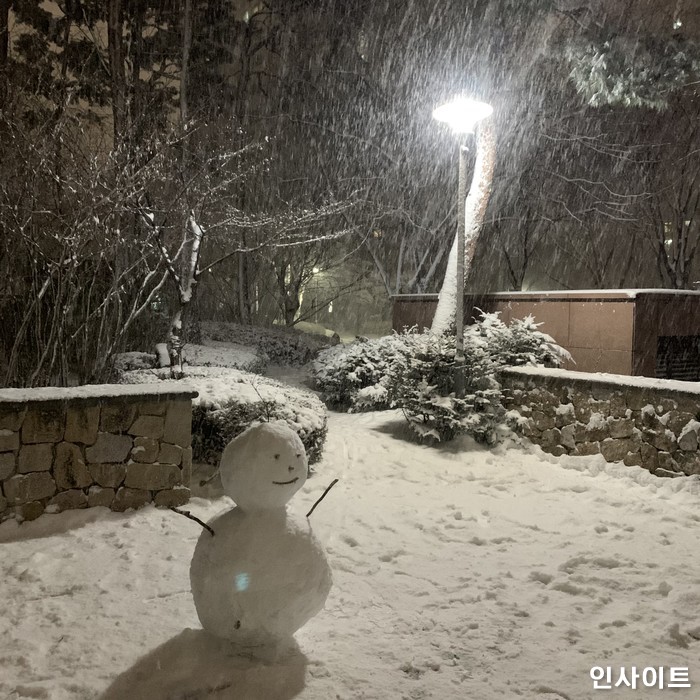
x=467, y=575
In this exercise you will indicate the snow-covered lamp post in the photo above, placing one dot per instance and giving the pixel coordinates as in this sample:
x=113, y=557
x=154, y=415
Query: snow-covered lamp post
x=463, y=115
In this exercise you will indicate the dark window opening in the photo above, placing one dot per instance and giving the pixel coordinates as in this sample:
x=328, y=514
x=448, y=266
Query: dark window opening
x=678, y=357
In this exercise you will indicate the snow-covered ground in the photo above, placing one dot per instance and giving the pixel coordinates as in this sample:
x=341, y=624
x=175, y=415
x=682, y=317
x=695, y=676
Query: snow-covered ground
x=459, y=573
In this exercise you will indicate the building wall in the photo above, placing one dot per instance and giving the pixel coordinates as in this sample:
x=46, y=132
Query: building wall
x=613, y=331
x=120, y=447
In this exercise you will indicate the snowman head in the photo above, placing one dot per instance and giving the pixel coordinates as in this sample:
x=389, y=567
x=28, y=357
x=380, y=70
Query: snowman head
x=264, y=466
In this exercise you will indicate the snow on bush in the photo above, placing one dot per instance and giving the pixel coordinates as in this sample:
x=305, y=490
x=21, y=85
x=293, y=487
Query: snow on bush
x=414, y=371
x=279, y=345
x=230, y=400
x=355, y=375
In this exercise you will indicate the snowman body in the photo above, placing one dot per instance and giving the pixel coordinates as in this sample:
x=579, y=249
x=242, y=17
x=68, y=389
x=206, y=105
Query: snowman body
x=263, y=574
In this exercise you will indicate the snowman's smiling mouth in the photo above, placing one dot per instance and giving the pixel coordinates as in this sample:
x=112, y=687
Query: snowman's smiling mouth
x=286, y=483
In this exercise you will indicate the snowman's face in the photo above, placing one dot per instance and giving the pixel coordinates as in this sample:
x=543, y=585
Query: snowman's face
x=264, y=467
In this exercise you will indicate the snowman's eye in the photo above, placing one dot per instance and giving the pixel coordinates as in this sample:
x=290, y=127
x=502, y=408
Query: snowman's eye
x=277, y=456
x=299, y=455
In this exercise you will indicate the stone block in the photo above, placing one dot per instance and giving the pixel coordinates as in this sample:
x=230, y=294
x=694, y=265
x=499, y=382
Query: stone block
x=126, y=498
x=678, y=420
x=7, y=465
x=97, y=496
x=663, y=440
x=689, y=439
x=170, y=454
x=24, y=488
x=542, y=421
x=585, y=449
x=186, y=466
x=69, y=500
x=618, y=405
x=29, y=511
x=567, y=436
x=117, y=418
x=82, y=423
x=615, y=450
x=109, y=448
x=153, y=408
x=550, y=438
x=170, y=498
x=43, y=425
x=565, y=415
x=108, y=475
x=664, y=404
x=178, y=423
x=582, y=433
x=9, y=440
x=633, y=459
x=621, y=427
x=649, y=456
x=70, y=470
x=556, y=450
x=690, y=462
x=152, y=477
x=11, y=418
x=667, y=462
x=666, y=473
x=35, y=458
x=145, y=450
x=148, y=426
x=637, y=398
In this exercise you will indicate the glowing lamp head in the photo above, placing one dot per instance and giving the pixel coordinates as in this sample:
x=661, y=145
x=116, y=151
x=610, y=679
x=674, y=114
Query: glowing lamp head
x=462, y=114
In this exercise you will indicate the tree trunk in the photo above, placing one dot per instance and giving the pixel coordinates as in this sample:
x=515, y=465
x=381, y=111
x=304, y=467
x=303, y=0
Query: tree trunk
x=184, y=73
x=474, y=212
x=5, y=6
x=115, y=42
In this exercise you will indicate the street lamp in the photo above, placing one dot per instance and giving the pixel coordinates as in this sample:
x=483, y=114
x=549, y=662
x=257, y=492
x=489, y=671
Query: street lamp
x=463, y=115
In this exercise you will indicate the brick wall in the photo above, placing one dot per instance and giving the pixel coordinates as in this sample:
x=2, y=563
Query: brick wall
x=114, y=446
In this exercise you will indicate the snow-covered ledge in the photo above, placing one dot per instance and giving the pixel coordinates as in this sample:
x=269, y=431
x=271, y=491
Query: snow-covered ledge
x=653, y=423
x=119, y=446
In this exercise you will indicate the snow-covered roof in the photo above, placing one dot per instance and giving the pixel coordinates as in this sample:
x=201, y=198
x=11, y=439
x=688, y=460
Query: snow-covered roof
x=616, y=380
x=624, y=294
x=157, y=390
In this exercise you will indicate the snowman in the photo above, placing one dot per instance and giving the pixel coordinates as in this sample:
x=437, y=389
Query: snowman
x=263, y=574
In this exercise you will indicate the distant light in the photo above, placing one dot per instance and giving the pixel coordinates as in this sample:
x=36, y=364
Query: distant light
x=462, y=114
x=315, y=270
x=677, y=24
x=668, y=241
x=242, y=582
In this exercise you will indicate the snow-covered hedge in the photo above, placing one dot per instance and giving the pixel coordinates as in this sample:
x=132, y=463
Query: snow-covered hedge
x=230, y=400
x=415, y=371
x=279, y=345
x=215, y=354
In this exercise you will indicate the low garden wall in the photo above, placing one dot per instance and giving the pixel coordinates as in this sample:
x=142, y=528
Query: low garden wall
x=652, y=423
x=102, y=445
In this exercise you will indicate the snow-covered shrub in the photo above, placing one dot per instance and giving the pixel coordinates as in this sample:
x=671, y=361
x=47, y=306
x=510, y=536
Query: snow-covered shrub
x=224, y=354
x=126, y=361
x=230, y=400
x=279, y=345
x=422, y=384
x=355, y=376
x=517, y=344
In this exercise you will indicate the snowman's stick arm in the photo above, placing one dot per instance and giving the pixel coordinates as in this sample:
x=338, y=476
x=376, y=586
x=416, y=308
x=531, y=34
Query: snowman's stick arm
x=323, y=495
x=189, y=515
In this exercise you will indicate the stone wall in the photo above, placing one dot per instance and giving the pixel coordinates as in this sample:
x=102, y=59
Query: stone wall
x=652, y=423
x=115, y=446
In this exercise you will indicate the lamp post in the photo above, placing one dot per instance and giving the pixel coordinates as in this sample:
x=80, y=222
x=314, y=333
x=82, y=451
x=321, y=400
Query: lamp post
x=462, y=115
